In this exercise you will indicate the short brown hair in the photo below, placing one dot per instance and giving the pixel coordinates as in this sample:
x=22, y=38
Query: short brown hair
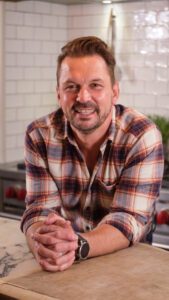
x=84, y=46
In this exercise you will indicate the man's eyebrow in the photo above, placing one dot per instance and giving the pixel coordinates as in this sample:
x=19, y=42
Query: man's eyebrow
x=69, y=81
x=96, y=79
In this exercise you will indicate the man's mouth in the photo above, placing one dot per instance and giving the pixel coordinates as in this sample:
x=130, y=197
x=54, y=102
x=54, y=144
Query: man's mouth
x=85, y=111
x=85, y=108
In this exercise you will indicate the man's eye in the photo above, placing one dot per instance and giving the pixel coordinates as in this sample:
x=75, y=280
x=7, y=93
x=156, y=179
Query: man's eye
x=71, y=87
x=96, y=85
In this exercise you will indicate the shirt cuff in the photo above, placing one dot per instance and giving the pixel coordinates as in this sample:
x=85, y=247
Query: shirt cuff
x=127, y=224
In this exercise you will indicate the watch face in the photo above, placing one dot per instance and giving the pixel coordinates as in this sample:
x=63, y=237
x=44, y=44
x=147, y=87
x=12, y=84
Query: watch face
x=84, y=250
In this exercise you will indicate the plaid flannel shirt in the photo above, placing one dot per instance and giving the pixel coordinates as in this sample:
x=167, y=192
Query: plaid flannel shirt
x=124, y=184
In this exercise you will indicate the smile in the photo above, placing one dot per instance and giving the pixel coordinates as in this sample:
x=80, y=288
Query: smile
x=85, y=111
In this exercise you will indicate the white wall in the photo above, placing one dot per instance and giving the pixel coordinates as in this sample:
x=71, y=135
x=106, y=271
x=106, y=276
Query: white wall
x=141, y=39
x=1, y=84
x=34, y=33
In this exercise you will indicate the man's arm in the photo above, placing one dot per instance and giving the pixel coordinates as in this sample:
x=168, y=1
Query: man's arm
x=105, y=239
x=131, y=211
x=132, y=207
x=56, y=237
x=41, y=199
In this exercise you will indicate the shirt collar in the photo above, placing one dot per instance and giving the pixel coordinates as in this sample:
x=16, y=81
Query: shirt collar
x=112, y=125
x=59, y=124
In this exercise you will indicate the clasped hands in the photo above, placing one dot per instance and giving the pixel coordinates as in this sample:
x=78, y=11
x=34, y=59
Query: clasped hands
x=55, y=243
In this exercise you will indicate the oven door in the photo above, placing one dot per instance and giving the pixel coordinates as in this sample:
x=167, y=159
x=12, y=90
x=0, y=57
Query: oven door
x=160, y=237
x=13, y=194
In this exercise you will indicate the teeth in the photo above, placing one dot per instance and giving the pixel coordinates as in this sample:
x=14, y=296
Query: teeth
x=85, y=111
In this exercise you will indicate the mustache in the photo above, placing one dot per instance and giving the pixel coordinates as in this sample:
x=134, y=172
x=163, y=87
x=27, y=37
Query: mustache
x=87, y=104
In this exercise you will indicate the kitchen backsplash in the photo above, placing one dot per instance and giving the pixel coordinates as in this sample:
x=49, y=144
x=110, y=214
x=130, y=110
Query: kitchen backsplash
x=34, y=33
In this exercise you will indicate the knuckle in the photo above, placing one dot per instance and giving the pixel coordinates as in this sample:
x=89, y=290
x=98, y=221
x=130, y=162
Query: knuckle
x=57, y=261
x=57, y=247
x=72, y=255
x=73, y=246
x=58, y=233
x=41, y=252
x=48, y=240
x=53, y=256
x=38, y=248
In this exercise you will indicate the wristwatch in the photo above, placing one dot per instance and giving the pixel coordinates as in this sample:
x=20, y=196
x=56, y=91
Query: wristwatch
x=83, y=249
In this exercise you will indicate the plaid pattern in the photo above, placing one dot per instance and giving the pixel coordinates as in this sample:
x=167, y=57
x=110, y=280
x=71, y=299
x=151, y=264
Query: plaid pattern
x=122, y=189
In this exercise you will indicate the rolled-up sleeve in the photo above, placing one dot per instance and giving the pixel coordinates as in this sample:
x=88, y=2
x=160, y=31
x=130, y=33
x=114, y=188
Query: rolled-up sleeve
x=42, y=193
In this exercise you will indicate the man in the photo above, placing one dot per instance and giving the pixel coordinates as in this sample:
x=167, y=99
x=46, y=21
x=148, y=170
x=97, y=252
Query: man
x=93, y=168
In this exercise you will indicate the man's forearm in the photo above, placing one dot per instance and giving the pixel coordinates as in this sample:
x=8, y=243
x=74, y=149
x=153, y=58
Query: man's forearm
x=105, y=239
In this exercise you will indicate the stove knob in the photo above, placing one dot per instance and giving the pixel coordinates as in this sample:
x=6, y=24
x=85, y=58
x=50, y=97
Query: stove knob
x=10, y=192
x=21, y=194
x=163, y=217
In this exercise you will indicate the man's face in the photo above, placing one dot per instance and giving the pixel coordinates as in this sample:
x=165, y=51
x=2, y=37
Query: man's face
x=85, y=92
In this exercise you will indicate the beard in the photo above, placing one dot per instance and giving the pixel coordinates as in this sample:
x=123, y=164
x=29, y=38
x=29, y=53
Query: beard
x=84, y=124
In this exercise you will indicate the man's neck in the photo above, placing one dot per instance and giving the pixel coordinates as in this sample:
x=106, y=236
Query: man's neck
x=89, y=144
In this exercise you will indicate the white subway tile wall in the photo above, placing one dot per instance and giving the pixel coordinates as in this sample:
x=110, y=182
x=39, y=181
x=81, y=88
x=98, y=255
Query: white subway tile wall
x=140, y=37
x=34, y=33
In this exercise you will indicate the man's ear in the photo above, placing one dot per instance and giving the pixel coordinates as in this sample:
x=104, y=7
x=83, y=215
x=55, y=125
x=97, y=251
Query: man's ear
x=115, y=92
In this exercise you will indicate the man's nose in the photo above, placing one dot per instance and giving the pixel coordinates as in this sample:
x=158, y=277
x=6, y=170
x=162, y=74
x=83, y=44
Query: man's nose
x=83, y=95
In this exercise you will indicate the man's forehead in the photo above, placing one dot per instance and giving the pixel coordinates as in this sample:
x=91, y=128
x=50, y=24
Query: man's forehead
x=65, y=66
x=84, y=69
x=69, y=60
x=84, y=63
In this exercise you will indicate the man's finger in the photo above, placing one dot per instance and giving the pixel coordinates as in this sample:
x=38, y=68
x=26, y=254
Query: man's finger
x=66, y=260
x=62, y=263
x=57, y=231
x=47, y=266
x=64, y=247
x=45, y=239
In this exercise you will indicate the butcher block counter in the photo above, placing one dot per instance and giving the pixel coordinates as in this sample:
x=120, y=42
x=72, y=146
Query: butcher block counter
x=137, y=273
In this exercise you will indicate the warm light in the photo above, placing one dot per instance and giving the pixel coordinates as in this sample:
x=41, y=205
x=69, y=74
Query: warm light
x=106, y=1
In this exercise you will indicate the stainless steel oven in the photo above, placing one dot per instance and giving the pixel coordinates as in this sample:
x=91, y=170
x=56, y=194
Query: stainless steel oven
x=160, y=236
x=12, y=189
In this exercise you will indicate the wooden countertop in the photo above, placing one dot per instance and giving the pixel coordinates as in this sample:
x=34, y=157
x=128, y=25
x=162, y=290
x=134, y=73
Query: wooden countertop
x=137, y=273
